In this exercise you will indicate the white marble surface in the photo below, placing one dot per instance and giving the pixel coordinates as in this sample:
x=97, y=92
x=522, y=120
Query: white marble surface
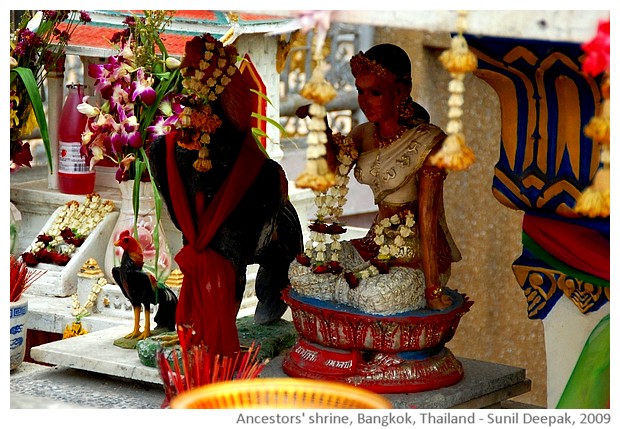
x=95, y=352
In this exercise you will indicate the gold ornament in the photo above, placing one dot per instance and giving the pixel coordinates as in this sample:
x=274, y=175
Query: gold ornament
x=90, y=269
x=175, y=279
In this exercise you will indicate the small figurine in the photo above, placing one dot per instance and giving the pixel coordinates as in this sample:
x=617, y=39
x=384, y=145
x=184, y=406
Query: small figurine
x=141, y=288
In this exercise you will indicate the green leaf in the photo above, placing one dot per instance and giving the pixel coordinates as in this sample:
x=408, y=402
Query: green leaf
x=167, y=83
x=158, y=207
x=270, y=120
x=29, y=81
x=261, y=95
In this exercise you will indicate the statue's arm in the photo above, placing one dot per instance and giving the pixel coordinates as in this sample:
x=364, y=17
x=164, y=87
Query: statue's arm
x=430, y=195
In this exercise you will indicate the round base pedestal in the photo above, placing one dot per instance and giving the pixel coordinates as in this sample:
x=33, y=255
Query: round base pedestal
x=401, y=353
x=375, y=371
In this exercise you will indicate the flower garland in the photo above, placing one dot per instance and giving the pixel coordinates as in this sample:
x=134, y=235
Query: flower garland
x=458, y=60
x=316, y=174
x=80, y=311
x=70, y=228
x=596, y=198
x=207, y=69
x=330, y=205
x=390, y=234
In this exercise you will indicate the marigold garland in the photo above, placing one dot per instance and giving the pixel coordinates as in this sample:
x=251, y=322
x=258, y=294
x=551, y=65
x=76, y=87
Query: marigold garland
x=207, y=69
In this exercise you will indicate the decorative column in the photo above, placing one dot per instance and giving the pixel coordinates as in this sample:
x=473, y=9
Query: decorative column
x=545, y=162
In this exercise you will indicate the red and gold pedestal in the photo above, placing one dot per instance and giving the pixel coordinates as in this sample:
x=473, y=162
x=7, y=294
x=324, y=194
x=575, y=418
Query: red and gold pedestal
x=403, y=353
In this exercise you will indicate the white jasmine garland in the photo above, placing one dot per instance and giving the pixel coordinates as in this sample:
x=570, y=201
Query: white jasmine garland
x=80, y=218
x=82, y=310
x=331, y=202
x=398, y=225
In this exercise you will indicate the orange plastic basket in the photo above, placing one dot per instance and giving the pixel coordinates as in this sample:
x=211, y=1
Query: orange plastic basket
x=279, y=393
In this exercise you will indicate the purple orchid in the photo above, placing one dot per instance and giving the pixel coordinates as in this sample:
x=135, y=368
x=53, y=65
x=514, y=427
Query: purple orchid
x=141, y=87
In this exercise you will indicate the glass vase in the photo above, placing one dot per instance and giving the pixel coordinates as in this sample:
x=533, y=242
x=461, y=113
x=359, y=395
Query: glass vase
x=157, y=259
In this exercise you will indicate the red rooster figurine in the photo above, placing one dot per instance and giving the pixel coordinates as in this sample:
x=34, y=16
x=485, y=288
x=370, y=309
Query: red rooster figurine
x=142, y=288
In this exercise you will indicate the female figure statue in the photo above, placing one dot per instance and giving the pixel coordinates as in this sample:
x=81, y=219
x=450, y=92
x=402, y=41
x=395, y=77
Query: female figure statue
x=390, y=334
x=390, y=153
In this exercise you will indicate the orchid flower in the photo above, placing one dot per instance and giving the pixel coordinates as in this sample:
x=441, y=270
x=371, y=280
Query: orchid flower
x=98, y=155
x=142, y=87
x=87, y=109
x=159, y=128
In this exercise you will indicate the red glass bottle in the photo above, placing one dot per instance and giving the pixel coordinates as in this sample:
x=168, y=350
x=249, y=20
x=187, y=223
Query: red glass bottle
x=74, y=175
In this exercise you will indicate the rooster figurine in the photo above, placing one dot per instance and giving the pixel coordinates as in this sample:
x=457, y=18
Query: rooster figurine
x=142, y=288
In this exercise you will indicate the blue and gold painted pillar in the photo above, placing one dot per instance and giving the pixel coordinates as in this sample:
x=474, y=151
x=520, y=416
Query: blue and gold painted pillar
x=545, y=162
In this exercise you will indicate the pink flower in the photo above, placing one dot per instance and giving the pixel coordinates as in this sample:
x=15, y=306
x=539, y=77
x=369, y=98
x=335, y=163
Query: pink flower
x=141, y=87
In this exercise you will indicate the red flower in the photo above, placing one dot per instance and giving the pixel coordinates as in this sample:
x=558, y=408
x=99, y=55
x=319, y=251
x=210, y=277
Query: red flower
x=60, y=258
x=194, y=51
x=321, y=269
x=20, y=153
x=334, y=228
x=318, y=227
x=381, y=266
x=30, y=259
x=67, y=233
x=76, y=241
x=351, y=279
x=45, y=238
x=45, y=256
x=303, y=259
x=597, y=51
x=335, y=267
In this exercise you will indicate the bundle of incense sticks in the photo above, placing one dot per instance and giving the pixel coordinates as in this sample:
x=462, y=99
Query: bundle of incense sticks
x=198, y=367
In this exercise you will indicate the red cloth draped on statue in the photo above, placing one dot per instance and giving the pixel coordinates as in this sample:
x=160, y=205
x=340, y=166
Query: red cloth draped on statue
x=207, y=298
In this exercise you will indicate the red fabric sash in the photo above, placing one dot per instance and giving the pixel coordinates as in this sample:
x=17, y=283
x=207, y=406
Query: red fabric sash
x=207, y=298
x=581, y=248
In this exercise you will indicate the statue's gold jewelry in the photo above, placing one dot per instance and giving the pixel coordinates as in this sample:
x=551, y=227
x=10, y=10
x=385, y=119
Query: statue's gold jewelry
x=434, y=292
x=361, y=64
x=382, y=142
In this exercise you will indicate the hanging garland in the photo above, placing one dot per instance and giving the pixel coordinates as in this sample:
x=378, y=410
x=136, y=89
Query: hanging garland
x=317, y=175
x=595, y=199
x=458, y=60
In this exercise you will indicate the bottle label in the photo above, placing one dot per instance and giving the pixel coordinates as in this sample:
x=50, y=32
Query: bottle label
x=70, y=159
